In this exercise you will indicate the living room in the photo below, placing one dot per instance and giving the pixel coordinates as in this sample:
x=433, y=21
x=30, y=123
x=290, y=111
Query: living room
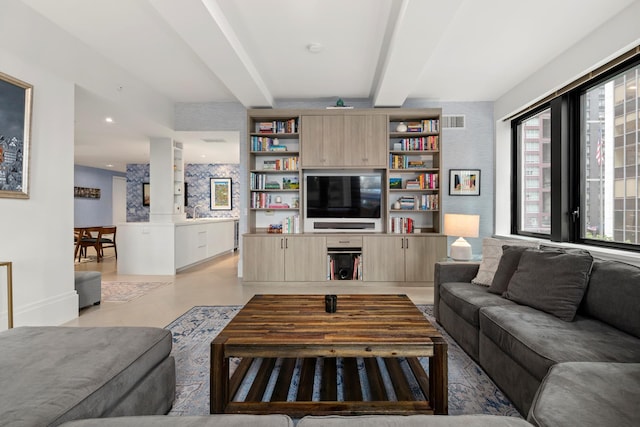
x=40, y=226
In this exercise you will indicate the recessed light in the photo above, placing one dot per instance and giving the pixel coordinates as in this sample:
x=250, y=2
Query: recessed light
x=315, y=47
x=203, y=155
x=109, y=165
x=109, y=119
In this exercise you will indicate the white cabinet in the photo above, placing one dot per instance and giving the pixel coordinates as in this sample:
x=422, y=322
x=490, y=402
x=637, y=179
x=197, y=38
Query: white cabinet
x=199, y=240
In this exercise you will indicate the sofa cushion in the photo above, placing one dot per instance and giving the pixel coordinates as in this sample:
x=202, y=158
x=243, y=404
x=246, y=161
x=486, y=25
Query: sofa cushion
x=613, y=295
x=536, y=340
x=466, y=299
x=506, y=267
x=553, y=281
x=491, y=254
x=235, y=420
x=413, y=421
x=53, y=374
x=588, y=394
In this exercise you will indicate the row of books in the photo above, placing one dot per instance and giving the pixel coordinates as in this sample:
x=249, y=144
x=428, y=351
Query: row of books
x=402, y=161
x=425, y=143
x=283, y=164
x=424, y=202
x=289, y=225
x=278, y=126
x=266, y=201
x=357, y=268
x=401, y=225
x=261, y=181
x=265, y=143
x=426, y=125
x=424, y=181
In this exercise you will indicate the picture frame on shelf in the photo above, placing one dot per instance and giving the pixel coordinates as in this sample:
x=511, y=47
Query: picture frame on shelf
x=464, y=182
x=15, y=136
x=146, y=194
x=221, y=194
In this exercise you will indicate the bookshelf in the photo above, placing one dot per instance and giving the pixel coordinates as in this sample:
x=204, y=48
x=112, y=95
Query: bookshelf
x=413, y=172
x=274, y=173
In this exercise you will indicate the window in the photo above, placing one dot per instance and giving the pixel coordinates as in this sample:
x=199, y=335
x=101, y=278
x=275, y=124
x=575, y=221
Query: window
x=582, y=184
x=530, y=171
x=611, y=167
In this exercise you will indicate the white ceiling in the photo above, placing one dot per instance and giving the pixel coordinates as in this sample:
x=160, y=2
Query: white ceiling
x=256, y=52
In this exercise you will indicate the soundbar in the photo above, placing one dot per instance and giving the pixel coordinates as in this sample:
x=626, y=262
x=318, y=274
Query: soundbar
x=343, y=225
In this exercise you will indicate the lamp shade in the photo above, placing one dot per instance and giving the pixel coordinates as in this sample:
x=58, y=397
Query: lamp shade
x=460, y=225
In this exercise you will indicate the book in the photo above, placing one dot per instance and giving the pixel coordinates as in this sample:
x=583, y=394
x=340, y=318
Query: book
x=395, y=183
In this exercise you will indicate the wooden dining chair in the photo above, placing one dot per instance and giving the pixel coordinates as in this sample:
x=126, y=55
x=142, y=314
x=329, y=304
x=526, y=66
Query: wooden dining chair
x=90, y=238
x=107, y=239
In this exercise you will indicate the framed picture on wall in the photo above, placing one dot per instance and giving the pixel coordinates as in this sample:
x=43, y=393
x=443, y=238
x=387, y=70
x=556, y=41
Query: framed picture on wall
x=220, y=194
x=464, y=182
x=146, y=194
x=15, y=136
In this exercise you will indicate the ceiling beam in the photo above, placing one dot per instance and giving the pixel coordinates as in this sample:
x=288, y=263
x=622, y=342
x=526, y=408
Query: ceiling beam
x=204, y=27
x=403, y=64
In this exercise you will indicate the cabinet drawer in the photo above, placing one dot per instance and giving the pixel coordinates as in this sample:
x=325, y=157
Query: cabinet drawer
x=344, y=242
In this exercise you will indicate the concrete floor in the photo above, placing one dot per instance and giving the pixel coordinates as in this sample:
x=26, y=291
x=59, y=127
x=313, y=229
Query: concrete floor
x=212, y=283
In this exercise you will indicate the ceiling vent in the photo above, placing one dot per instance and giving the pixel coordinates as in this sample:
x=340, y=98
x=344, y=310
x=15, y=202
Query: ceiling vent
x=453, y=122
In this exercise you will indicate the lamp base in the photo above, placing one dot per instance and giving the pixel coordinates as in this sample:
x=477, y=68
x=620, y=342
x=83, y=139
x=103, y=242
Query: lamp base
x=460, y=250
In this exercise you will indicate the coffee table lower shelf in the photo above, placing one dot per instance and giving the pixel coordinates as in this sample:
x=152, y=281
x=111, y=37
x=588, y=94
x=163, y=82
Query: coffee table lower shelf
x=380, y=400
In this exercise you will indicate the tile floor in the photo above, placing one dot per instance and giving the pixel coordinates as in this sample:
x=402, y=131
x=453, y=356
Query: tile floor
x=213, y=283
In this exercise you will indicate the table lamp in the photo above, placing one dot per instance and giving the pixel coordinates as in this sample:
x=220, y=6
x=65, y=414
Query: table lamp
x=461, y=226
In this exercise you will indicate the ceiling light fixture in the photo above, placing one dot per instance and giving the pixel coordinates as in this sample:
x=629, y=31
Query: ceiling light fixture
x=109, y=165
x=315, y=47
x=108, y=119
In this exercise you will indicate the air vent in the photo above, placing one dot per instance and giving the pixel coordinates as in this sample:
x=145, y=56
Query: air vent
x=453, y=122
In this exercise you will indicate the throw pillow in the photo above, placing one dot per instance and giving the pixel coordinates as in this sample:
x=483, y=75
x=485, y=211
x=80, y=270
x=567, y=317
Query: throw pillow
x=491, y=253
x=553, y=281
x=507, y=266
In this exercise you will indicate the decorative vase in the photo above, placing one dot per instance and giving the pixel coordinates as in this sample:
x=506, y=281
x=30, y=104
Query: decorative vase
x=401, y=127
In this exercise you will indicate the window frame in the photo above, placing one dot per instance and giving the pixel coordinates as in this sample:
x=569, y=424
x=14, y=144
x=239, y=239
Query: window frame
x=567, y=174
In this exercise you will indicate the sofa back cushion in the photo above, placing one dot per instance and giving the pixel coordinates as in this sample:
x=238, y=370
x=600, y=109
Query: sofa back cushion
x=613, y=295
x=491, y=254
x=553, y=281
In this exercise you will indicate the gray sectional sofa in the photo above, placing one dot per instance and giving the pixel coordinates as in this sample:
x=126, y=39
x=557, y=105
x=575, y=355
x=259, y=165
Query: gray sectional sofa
x=518, y=337
x=51, y=375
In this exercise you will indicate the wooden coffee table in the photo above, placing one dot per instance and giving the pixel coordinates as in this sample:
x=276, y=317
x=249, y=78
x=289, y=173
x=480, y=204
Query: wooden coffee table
x=381, y=332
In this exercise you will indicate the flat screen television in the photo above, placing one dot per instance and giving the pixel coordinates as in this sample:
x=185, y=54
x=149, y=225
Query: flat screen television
x=342, y=201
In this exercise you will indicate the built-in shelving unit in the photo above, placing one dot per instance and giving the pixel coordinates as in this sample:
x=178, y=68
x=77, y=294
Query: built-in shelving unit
x=178, y=179
x=284, y=145
x=274, y=173
x=414, y=176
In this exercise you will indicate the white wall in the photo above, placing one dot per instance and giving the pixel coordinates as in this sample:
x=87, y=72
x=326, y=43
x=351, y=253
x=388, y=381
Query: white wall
x=606, y=42
x=36, y=233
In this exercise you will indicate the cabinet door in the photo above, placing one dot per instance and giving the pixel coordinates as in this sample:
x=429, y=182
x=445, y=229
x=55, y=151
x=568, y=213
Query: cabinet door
x=305, y=258
x=365, y=141
x=421, y=254
x=263, y=258
x=383, y=258
x=311, y=134
x=322, y=141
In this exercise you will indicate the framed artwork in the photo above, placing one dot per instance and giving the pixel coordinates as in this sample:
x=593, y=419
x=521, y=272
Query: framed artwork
x=220, y=194
x=86, y=193
x=464, y=182
x=146, y=194
x=15, y=136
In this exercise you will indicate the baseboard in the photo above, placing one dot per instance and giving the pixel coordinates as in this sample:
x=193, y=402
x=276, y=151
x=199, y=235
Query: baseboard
x=52, y=311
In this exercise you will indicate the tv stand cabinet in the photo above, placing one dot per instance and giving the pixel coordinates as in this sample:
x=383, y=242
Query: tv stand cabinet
x=403, y=144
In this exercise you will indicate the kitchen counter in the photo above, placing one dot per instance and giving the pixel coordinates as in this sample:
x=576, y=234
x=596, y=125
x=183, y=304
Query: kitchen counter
x=158, y=248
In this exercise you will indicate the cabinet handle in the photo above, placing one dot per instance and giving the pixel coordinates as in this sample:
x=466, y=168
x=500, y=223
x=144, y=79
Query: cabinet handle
x=407, y=239
x=402, y=243
x=286, y=243
x=281, y=243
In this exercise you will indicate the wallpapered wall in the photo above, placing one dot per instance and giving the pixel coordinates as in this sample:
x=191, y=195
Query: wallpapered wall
x=197, y=177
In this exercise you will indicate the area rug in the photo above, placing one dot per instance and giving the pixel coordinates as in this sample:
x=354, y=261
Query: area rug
x=471, y=391
x=127, y=291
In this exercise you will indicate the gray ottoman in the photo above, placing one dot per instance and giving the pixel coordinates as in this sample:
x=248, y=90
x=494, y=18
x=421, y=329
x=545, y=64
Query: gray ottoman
x=588, y=394
x=88, y=287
